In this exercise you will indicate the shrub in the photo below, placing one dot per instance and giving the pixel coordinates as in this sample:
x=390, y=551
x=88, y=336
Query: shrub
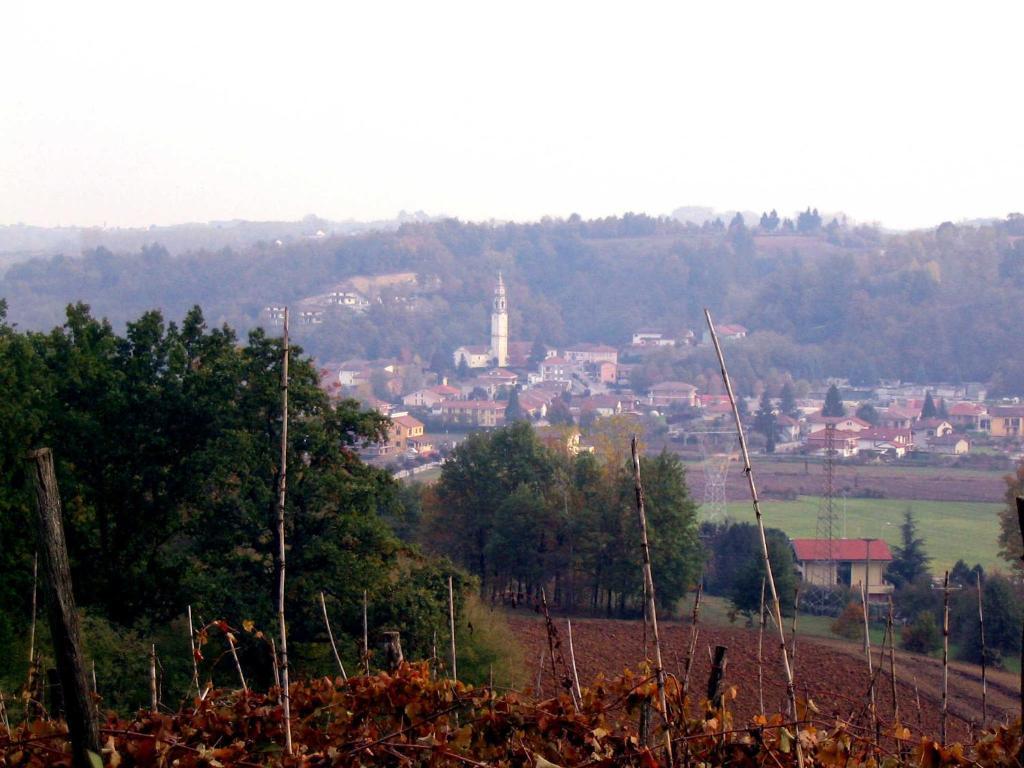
x=850, y=623
x=923, y=635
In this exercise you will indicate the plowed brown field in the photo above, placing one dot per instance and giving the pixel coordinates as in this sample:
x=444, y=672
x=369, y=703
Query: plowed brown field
x=832, y=673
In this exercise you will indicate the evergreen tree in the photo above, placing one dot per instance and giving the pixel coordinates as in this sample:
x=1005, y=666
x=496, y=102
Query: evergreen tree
x=942, y=412
x=909, y=559
x=928, y=410
x=765, y=422
x=868, y=413
x=833, y=403
x=787, y=401
x=513, y=411
x=538, y=352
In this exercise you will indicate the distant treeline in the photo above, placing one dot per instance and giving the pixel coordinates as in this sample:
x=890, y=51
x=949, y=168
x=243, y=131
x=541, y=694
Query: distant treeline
x=819, y=298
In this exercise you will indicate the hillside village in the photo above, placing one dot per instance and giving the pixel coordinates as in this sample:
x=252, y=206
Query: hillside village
x=489, y=384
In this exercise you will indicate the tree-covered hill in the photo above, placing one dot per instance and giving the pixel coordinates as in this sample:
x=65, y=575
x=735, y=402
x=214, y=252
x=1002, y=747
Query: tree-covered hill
x=819, y=300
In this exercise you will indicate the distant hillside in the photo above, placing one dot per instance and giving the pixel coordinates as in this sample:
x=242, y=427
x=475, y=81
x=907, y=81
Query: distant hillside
x=21, y=242
x=829, y=300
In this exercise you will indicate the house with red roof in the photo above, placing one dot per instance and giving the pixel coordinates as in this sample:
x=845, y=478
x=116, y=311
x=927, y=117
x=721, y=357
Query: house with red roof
x=968, y=415
x=844, y=562
x=587, y=354
x=886, y=441
x=844, y=443
x=897, y=417
x=669, y=393
x=472, y=413
x=841, y=423
x=558, y=369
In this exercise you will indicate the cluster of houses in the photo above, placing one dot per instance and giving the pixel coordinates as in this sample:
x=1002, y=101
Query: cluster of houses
x=356, y=294
x=587, y=381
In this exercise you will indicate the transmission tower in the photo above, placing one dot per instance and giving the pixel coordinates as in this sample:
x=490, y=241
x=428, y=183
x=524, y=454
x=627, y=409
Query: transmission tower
x=715, y=463
x=828, y=524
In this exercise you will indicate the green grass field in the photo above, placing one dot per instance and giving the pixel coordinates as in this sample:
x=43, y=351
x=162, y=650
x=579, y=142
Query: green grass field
x=951, y=530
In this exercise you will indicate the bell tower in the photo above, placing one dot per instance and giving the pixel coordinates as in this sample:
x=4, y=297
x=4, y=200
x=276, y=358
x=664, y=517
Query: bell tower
x=499, y=326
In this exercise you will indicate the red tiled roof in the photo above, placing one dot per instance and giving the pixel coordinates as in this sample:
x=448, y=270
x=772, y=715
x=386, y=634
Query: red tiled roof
x=407, y=421
x=819, y=419
x=473, y=405
x=842, y=549
x=555, y=361
x=966, y=409
x=673, y=386
x=731, y=329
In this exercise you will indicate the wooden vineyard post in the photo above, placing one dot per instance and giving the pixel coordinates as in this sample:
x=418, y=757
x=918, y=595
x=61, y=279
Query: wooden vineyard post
x=393, y=657
x=1020, y=524
x=867, y=652
x=945, y=654
x=366, y=638
x=154, y=699
x=330, y=636
x=192, y=647
x=691, y=649
x=717, y=673
x=282, y=486
x=652, y=613
x=984, y=653
x=762, y=619
x=572, y=659
x=83, y=724
x=451, y=626
x=892, y=664
x=32, y=631
x=770, y=578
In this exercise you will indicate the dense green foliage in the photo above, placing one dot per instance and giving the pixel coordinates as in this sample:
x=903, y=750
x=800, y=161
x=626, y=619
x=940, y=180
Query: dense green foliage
x=818, y=300
x=736, y=565
x=166, y=442
x=519, y=516
x=909, y=561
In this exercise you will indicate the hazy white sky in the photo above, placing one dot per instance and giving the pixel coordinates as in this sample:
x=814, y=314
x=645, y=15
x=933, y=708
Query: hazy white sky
x=136, y=113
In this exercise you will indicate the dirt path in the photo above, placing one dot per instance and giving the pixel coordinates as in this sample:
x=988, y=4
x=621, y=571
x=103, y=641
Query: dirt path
x=831, y=673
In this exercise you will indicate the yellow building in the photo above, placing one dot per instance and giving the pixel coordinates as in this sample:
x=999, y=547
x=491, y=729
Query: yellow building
x=1006, y=420
x=847, y=562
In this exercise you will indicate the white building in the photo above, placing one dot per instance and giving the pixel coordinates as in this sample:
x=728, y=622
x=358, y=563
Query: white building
x=499, y=326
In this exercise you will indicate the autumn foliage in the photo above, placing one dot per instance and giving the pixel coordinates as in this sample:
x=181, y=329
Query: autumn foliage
x=414, y=717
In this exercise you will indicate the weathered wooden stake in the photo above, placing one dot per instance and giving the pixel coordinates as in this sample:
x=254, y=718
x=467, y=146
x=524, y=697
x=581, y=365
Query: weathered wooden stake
x=762, y=619
x=154, y=699
x=945, y=654
x=451, y=626
x=692, y=648
x=645, y=553
x=366, y=638
x=891, y=629
x=192, y=647
x=984, y=654
x=32, y=630
x=95, y=688
x=749, y=471
x=276, y=671
x=238, y=664
x=867, y=652
x=330, y=636
x=83, y=724
x=3, y=715
x=792, y=628
x=717, y=673
x=572, y=658
x=393, y=656
x=1020, y=524
x=282, y=487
